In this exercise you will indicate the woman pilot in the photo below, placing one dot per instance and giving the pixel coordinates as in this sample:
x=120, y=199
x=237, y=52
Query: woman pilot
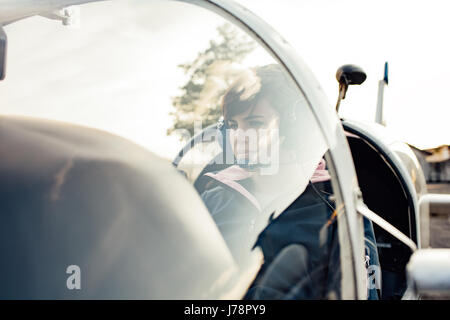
x=263, y=101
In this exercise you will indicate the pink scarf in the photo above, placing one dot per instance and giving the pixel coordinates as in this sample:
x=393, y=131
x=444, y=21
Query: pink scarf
x=321, y=174
x=230, y=175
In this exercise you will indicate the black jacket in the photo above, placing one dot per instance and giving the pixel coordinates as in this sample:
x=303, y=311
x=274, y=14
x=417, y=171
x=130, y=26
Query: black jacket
x=304, y=236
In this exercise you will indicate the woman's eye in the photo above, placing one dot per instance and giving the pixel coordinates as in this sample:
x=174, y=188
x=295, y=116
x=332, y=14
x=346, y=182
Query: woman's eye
x=256, y=124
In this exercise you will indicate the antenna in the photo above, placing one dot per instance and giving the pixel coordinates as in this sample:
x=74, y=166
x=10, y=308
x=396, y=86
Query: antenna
x=379, y=115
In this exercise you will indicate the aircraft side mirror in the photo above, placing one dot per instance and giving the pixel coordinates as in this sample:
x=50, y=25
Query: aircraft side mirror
x=429, y=271
x=2, y=53
x=350, y=74
x=346, y=75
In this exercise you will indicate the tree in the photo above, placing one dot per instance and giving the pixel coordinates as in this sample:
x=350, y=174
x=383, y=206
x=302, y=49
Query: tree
x=210, y=74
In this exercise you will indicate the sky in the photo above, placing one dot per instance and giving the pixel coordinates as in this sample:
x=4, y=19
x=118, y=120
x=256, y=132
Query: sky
x=79, y=73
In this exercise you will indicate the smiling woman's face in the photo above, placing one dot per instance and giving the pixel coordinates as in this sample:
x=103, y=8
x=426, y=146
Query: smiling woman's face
x=253, y=131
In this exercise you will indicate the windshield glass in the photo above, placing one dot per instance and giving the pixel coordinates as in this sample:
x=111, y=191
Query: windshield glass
x=194, y=89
